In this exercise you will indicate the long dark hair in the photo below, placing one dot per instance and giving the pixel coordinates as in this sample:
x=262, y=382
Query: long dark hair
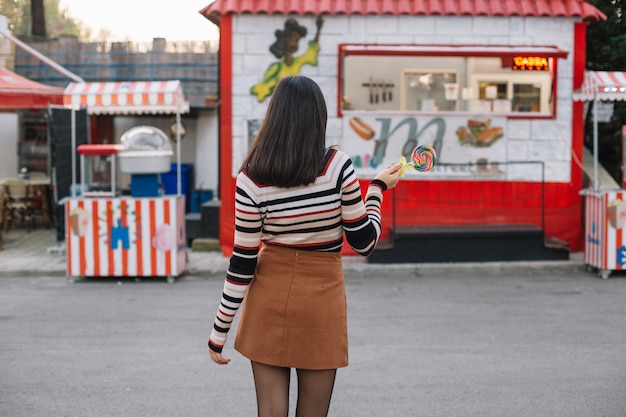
x=289, y=148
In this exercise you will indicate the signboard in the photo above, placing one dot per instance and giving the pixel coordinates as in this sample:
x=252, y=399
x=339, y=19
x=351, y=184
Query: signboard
x=467, y=147
x=605, y=110
x=530, y=63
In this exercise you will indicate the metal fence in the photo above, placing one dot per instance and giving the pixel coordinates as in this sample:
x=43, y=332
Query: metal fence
x=195, y=64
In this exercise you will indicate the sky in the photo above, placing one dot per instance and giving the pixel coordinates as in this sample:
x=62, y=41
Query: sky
x=143, y=20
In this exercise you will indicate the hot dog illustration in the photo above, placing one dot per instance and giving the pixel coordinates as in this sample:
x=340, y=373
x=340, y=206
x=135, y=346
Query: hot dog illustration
x=361, y=128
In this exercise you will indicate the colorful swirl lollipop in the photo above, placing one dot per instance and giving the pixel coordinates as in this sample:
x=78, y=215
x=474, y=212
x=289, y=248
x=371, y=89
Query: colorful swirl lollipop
x=423, y=159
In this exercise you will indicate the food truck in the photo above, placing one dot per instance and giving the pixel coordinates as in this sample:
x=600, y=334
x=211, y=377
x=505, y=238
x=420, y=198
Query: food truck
x=487, y=84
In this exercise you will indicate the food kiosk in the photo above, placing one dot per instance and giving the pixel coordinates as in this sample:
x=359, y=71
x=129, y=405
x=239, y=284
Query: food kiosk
x=488, y=84
x=605, y=210
x=136, y=235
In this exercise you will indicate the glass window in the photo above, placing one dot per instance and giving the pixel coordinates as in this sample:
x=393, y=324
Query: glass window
x=419, y=79
x=429, y=90
x=526, y=97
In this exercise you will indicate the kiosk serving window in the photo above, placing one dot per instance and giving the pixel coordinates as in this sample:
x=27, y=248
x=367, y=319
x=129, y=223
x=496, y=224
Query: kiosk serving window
x=509, y=80
x=429, y=90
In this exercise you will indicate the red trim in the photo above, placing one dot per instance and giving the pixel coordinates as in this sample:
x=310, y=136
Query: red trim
x=124, y=218
x=555, y=86
x=153, y=227
x=95, y=212
x=227, y=186
x=139, y=237
x=99, y=149
x=578, y=129
x=167, y=220
x=450, y=50
x=339, y=81
x=82, y=247
x=109, y=226
x=580, y=54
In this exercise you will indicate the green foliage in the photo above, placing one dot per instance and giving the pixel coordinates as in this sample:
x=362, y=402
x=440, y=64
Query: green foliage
x=606, y=40
x=58, y=21
x=606, y=51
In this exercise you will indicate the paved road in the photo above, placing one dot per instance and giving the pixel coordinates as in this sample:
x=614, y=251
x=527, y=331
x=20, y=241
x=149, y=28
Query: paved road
x=485, y=342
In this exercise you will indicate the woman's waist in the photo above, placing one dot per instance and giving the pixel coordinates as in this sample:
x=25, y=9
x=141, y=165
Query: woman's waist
x=318, y=241
x=311, y=251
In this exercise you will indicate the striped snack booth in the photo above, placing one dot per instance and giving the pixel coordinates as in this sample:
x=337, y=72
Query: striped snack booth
x=114, y=235
x=605, y=221
x=125, y=236
x=605, y=210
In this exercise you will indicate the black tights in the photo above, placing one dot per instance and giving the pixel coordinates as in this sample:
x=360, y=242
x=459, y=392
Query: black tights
x=315, y=389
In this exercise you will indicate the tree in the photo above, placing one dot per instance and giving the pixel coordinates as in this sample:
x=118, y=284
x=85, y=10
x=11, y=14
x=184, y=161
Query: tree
x=38, y=21
x=13, y=12
x=606, y=41
x=57, y=20
x=606, y=51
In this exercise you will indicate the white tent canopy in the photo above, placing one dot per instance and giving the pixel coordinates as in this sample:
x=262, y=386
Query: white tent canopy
x=600, y=86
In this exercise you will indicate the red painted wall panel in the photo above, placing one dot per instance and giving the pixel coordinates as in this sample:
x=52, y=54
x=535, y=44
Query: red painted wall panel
x=227, y=183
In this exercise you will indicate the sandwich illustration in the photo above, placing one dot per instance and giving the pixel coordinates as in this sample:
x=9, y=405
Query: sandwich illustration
x=479, y=133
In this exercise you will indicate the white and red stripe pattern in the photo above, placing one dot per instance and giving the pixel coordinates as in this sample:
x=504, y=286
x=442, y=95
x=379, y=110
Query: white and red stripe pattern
x=605, y=220
x=125, y=236
x=603, y=85
x=154, y=97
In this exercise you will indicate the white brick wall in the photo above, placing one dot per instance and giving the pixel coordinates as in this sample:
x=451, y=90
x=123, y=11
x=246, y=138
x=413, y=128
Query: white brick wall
x=532, y=139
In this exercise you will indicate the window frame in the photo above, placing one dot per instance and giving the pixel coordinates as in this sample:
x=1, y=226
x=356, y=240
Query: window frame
x=443, y=50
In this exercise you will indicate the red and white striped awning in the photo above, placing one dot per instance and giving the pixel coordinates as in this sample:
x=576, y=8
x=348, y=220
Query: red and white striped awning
x=138, y=97
x=602, y=85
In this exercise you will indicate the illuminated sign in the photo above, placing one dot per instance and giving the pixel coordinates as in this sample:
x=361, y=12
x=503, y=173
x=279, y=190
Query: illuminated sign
x=530, y=63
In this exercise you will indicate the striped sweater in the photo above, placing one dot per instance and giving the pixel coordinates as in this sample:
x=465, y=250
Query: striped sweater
x=312, y=217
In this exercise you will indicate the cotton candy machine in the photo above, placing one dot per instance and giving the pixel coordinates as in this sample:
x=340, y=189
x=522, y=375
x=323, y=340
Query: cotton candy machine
x=147, y=150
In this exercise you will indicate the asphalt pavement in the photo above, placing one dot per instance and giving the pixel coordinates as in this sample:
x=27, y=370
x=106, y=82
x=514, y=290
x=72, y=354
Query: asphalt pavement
x=487, y=339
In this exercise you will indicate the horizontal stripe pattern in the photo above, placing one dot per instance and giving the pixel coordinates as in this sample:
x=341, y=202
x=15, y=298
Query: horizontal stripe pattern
x=313, y=217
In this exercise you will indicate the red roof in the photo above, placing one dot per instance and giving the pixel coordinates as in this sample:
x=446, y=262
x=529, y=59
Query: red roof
x=17, y=92
x=530, y=8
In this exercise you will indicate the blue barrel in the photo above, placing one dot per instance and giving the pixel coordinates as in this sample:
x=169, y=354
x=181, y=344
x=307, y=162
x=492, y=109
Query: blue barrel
x=168, y=179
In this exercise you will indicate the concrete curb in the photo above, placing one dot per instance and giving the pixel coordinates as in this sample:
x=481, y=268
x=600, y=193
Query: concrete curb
x=208, y=265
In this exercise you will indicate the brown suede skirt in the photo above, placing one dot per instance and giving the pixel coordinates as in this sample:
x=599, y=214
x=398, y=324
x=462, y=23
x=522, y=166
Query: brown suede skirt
x=294, y=314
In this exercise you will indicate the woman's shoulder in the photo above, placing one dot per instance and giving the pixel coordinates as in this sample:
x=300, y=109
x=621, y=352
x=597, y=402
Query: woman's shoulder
x=337, y=155
x=340, y=160
x=244, y=181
